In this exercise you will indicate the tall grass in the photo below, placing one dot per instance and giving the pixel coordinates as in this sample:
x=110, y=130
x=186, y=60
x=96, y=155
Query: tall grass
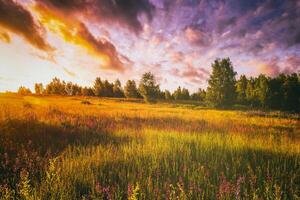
x=59, y=148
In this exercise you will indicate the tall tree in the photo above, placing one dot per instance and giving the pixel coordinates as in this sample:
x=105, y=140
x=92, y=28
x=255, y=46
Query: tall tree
x=241, y=87
x=177, y=94
x=261, y=89
x=221, y=85
x=168, y=95
x=291, y=93
x=107, y=89
x=38, y=88
x=275, y=94
x=98, y=87
x=185, y=94
x=148, y=87
x=117, y=89
x=23, y=90
x=87, y=91
x=199, y=95
x=130, y=89
x=56, y=86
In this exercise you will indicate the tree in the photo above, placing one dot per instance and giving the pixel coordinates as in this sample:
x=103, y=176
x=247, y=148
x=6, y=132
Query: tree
x=221, y=85
x=38, y=88
x=56, y=87
x=168, y=95
x=77, y=90
x=98, y=87
x=185, y=94
x=275, y=95
x=148, y=87
x=241, y=87
x=177, y=94
x=24, y=91
x=251, y=97
x=117, y=89
x=87, y=91
x=261, y=88
x=291, y=89
x=69, y=88
x=199, y=95
x=107, y=89
x=130, y=89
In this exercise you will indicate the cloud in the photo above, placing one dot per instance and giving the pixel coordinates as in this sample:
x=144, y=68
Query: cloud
x=191, y=73
x=68, y=72
x=196, y=36
x=125, y=13
x=17, y=19
x=5, y=37
x=75, y=32
x=292, y=64
x=177, y=56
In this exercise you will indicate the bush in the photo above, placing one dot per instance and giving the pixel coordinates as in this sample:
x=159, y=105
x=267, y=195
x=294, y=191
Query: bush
x=86, y=102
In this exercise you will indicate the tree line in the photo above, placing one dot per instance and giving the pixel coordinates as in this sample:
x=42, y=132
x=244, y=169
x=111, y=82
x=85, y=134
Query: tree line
x=224, y=90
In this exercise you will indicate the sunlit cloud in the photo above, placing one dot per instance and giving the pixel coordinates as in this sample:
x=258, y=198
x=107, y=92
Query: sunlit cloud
x=17, y=19
x=176, y=40
x=75, y=32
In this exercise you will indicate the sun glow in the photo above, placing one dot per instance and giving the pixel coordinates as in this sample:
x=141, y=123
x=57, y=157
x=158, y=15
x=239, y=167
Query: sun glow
x=71, y=31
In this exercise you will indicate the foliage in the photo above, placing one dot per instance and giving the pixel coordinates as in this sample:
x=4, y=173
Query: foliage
x=117, y=89
x=24, y=187
x=39, y=88
x=56, y=86
x=131, y=90
x=148, y=87
x=241, y=87
x=24, y=91
x=98, y=87
x=199, y=95
x=279, y=93
x=221, y=85
x=181, y=94
x=167, y=95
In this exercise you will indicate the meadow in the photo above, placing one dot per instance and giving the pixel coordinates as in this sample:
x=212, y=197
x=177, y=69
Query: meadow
x=100, y=148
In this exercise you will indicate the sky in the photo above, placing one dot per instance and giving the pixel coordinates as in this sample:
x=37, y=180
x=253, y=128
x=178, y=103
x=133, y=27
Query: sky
x=176, y=40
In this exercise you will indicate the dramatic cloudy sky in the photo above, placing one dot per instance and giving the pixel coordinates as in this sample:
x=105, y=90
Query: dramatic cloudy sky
x=177, y=40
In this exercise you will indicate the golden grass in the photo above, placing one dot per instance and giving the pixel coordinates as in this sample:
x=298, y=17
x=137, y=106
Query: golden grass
x=74, y=148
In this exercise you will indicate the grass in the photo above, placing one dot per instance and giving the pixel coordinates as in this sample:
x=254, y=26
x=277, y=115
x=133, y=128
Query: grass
x=63, y=148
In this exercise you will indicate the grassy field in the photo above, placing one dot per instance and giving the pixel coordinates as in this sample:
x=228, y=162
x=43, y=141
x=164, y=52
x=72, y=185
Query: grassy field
x=79, y=148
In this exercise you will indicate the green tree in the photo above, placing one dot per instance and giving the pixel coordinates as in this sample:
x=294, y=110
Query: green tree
x=221, y=85
x=275, y=94
x=38, y=88
x=177, y=94
x=185, y=94
x=291, y=88
x=130, y=89
x=168, y=95
x=241, y=87
x=199, y=95
x=107, y=89
x=261, y=88
x=117, y=89
x=98, y=87
x=148, y=87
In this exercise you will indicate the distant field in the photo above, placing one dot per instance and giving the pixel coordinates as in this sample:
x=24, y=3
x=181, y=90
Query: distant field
x=91, y=148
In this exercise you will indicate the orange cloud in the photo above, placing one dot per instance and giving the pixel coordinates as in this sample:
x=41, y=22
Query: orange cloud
x=75, y=32
x=5, y=37
x=15, y=18
x=68, y=72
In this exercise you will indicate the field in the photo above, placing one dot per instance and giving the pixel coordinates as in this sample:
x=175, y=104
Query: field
x=91, y=148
